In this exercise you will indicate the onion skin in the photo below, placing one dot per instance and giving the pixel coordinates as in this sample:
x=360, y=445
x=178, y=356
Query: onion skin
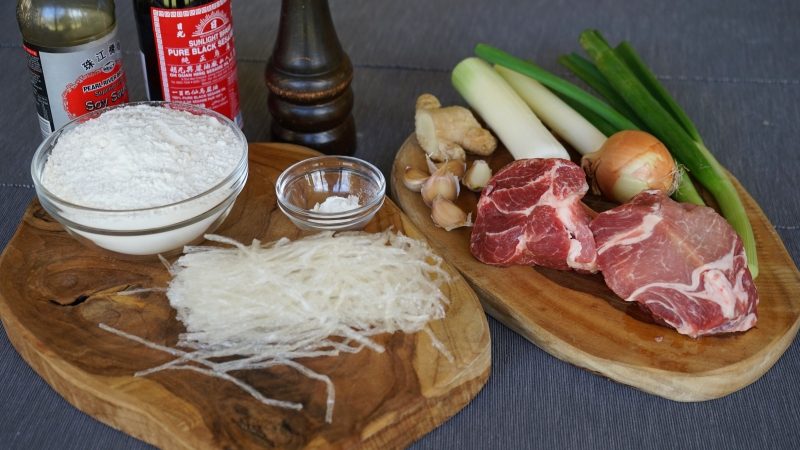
x=629, y=162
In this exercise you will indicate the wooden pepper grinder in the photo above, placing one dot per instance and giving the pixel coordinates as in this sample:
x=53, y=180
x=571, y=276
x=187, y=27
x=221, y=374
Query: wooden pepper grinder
x=308, y=77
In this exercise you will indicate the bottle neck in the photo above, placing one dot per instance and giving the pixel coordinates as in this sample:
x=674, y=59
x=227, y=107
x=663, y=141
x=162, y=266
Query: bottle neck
x=59, y=24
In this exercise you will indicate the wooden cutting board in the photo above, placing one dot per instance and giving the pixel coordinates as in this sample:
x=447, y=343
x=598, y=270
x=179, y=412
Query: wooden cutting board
x=54, y=292
x=578, y=319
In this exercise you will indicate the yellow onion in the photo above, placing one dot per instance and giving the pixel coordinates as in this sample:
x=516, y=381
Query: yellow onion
x=628, y=163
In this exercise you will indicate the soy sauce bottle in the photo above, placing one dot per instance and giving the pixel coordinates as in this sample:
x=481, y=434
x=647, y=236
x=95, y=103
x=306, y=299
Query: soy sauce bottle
x=74, y=57
x=188, y=53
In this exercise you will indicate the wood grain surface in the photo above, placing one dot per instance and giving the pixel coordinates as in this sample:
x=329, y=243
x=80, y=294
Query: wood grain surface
x=578, y=319
x=54, y=292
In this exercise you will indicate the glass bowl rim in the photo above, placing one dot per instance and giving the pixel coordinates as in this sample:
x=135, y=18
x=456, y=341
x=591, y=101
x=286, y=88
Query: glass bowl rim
x=229, y=200
x=283, y=180
x=240, y=167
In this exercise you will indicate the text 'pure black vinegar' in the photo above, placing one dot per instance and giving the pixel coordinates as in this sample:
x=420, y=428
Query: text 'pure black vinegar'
x=188, y=52
x=74, y=58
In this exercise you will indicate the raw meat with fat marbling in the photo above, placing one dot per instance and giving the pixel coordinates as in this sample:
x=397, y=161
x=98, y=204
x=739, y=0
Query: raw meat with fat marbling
x=684, y=263
x=530, y=213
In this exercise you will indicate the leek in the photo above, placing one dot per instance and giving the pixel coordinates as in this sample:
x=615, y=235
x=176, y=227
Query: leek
x=595, y=119
x=689, y=151
x=610, y=119
x=556, y=114
x=506, y=114
x=497, y=56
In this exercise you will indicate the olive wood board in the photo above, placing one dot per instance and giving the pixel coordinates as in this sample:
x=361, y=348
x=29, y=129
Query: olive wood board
x=576, y=318
x=54, y=292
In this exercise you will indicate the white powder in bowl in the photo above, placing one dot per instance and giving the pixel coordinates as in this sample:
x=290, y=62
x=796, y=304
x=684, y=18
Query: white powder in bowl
x=140, y=157
x=336, y=204
x=131, y=161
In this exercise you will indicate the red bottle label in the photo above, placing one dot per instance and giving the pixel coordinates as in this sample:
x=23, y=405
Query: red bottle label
x=196, y=56
x=97, y=89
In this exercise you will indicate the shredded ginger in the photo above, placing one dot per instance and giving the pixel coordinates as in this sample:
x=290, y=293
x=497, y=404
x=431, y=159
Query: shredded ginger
x=323, y=295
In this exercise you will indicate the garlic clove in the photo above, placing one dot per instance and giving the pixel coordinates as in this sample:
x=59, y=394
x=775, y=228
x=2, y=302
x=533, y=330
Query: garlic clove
x=448, y=215
x=441, y=183
x=413, y=179
x=456, y=167
x=478, y=175
x=432, y=166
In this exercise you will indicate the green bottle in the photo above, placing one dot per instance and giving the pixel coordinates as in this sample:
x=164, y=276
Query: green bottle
x=74, y=58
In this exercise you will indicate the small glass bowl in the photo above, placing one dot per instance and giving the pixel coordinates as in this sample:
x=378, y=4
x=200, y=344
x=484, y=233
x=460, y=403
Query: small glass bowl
x=141, y=233
x=311, y=181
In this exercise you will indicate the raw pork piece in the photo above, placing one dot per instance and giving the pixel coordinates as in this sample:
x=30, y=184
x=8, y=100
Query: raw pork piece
x=530, y=213
x=684, y=263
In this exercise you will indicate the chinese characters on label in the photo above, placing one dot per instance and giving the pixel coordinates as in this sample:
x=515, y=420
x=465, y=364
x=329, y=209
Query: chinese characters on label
x=196, y=56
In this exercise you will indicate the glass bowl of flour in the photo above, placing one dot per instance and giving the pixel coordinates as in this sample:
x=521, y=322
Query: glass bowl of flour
x=331, y=193
x=143, y=178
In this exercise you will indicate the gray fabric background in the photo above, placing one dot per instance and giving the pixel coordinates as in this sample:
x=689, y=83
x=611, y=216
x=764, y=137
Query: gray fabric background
x=733, y=65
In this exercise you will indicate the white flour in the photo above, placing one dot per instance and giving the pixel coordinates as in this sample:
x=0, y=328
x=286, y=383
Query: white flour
x=144, y=156
x=335, y=204
x=140, y=157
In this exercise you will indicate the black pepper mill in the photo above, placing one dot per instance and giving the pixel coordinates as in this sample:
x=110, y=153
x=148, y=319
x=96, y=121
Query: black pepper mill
x=308, y=77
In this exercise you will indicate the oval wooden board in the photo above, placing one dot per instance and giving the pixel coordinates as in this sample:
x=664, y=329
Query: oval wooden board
x=576, y=318
x=54, y=292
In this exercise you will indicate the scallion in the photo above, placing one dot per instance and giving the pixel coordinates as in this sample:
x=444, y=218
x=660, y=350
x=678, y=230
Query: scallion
x=586, y=71
x=626, y=52
x=497, y=56
x=694, y=154
x=605, y=118
x=557, y=115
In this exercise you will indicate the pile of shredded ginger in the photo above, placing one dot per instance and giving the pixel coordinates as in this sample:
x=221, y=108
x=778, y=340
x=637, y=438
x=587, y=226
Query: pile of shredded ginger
x=270, y=305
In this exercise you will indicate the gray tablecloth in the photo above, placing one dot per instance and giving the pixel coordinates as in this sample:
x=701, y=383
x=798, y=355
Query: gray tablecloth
x=732, y=64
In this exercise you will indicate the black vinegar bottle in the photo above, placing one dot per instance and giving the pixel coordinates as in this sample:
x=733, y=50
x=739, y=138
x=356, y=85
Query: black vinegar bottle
x=188, y=52
x=74, y=57
x=308, y=77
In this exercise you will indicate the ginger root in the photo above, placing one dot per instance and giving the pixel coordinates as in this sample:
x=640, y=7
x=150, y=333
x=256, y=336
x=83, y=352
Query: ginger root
x=445, y=133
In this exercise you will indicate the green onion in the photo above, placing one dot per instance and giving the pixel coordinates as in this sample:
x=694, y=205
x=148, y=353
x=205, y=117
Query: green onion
x=586, y=71
x=686, y=192
x=497, y=56
x=648, y=79
x=595, y=119
x=609, y=119
x=557, y=115
x=694, y=154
